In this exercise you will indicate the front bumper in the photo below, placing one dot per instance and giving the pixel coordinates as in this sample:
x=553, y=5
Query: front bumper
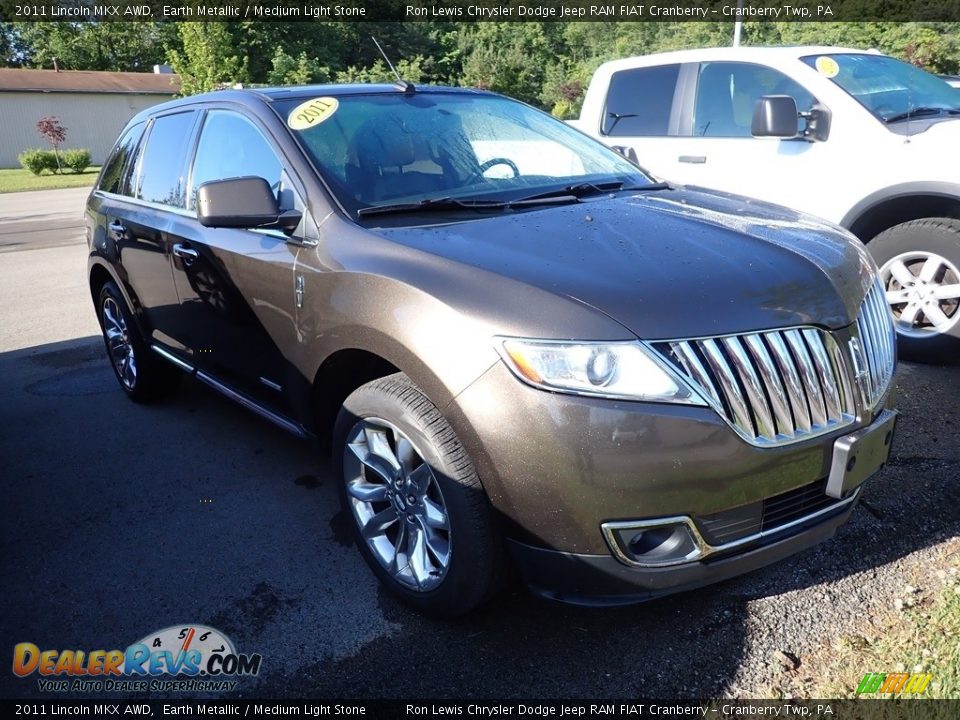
x=558, y=468
x=602, y=580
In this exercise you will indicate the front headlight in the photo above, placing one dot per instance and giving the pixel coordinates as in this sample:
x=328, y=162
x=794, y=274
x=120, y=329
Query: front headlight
x=624, y=370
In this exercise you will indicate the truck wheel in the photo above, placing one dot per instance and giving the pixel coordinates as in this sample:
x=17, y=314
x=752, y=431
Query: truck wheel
x=143, y=376
x=920, y=270
x=419, y=514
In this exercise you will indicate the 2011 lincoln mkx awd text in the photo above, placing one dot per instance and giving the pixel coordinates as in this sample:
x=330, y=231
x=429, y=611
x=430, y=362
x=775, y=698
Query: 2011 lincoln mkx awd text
x=523, y=347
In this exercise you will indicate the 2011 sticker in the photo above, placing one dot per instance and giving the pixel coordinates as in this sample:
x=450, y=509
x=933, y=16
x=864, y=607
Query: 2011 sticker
x=827, y=66
x=312, y=112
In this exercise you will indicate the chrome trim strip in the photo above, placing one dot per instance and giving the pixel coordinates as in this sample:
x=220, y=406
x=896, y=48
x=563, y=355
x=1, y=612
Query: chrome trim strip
x=182, y=364
x=705, y=549
x=831, y=395
x=696, y=370
x=771, y=380
x=811, y=384
x=762, y=414
x=721, y=368
x=271, y=384
x=788, y=371
x=246, y=402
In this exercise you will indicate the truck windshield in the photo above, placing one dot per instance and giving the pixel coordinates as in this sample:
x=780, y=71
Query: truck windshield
x=892, y=90
x=390, y=148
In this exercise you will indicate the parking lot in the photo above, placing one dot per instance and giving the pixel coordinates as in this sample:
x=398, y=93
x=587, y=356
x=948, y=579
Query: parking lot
x=121, y=519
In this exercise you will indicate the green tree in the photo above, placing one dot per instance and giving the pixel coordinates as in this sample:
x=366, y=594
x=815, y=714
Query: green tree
x=92, y=45
x=208, y=59
x=296, y=71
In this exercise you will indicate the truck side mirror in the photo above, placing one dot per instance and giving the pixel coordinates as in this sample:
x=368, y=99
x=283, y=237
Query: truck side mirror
x=774, y=116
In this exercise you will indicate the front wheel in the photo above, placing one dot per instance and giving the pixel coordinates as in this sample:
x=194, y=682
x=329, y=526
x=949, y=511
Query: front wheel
x=920, y=270
x=419, y=514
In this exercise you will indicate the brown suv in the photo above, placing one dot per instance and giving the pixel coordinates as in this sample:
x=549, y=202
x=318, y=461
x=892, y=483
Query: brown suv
x=524, y=348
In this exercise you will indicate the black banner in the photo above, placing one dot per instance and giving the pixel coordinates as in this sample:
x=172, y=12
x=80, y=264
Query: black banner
x=476, y=10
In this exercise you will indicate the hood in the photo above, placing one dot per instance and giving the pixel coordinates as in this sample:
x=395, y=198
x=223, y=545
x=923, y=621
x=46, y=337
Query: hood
x=667, y=264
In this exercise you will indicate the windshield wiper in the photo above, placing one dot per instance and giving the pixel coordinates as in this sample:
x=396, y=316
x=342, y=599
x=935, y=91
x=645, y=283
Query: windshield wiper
x=449, y=203
x=580, y=190
x=920, y=111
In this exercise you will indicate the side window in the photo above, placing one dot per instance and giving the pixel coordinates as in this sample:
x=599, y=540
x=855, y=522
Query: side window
x=639, y=101
x=163, y=160
x=231, y=146
x=726, y=93
x=118, y=165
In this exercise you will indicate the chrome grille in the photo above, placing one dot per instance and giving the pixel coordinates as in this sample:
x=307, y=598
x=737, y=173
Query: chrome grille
x=874, y=347
x=783, y=386
x=772, y=387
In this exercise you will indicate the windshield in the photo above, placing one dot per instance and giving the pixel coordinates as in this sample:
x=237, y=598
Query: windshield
x=890, y=89
x=385, y=149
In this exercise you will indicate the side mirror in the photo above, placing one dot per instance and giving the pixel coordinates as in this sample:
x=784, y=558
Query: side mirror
x=818, y=123
x=245, y=202
x=774, y=116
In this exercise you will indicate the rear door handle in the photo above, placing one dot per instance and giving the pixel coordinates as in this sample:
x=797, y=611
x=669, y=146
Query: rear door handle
x=693, y=159
x=188, y=254
x=117, y=228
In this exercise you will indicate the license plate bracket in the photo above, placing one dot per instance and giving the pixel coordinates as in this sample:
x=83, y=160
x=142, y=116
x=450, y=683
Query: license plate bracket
x=859, y=455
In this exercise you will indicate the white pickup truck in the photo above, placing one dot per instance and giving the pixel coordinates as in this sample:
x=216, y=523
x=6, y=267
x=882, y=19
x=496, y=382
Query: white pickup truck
x=856, y=137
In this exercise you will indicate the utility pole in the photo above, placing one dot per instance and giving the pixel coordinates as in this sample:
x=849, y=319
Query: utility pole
x=738, y=25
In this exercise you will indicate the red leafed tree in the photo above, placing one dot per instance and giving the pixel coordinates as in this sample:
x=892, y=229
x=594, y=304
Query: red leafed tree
x=55, y=133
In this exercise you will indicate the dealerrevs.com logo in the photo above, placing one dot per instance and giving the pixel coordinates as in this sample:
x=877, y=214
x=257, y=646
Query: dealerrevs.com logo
x=190, y=658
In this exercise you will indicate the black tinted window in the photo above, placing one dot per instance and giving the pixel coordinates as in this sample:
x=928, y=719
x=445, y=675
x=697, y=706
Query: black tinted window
x=639, y=101
x=117, y=167
x=230, y=146
x=161, y=177
x=727, y=92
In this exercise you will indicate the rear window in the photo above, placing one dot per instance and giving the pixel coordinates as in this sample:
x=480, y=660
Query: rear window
x=639, y=101
x=163, y=167
x=117, y=168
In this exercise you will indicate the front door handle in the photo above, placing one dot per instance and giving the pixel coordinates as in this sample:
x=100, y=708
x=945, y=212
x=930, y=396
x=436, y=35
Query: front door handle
x=693, y=159
x=188, y=254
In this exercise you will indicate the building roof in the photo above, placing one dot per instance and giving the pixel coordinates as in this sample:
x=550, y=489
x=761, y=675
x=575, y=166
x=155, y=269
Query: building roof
x=88, y=81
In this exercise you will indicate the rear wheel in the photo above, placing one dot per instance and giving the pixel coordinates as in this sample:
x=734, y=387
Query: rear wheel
x=920, y=270
x=143, y=376
x=419, y=514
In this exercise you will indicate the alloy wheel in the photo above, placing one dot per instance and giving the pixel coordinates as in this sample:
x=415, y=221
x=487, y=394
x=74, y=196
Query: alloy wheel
x=397, y=504
x=923, y=291
x=118, y=343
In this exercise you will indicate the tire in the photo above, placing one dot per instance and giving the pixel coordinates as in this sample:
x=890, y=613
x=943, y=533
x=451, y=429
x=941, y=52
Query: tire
x=920, y=268
x=441, y=568
x=142, y=375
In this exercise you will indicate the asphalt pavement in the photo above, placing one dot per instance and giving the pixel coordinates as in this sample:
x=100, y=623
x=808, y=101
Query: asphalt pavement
x=121, y=519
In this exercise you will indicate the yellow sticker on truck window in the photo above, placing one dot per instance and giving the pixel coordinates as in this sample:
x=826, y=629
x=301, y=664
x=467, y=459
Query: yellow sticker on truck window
x=312, y=112
x=827, y=66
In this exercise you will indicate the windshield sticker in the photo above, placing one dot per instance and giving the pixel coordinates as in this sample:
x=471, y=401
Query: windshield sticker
x=827, y=66
x=312, y=112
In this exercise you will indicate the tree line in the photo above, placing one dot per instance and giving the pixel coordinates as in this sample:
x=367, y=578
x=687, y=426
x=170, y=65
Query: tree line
x=548, y=64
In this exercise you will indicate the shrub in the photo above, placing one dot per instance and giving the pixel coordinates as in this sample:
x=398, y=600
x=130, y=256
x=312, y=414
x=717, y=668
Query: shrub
x=76, y=160
x=36, y=161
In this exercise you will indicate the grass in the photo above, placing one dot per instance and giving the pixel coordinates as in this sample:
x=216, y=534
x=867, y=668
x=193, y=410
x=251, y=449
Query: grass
x=919, y=634
x=18, y=180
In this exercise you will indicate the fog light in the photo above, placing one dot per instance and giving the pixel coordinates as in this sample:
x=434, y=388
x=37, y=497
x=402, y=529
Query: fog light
x=653, y=543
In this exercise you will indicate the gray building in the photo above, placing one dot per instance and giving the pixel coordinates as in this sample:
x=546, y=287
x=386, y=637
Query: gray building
x=93, y=106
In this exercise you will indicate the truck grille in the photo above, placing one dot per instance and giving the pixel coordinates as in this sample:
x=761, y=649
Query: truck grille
x=783, y=386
